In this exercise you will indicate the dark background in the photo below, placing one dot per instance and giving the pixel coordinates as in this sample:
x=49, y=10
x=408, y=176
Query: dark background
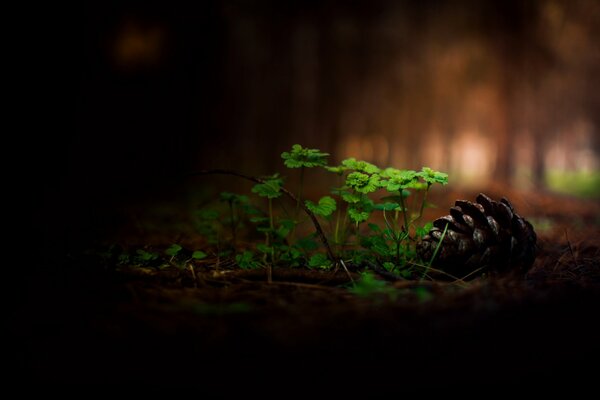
x=135, y=95
x=123, y=99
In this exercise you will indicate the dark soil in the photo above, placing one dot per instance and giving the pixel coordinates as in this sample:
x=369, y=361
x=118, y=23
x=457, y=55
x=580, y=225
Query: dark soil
x=223, y=330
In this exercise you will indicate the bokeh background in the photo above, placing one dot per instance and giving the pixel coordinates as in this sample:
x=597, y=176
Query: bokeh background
x=505, y=92
x=483, y=90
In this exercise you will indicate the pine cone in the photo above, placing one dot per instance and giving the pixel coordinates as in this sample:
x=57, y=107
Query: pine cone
x=487, y=234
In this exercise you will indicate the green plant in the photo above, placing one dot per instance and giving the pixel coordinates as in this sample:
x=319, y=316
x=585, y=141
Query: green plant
x=365, y=193
x=368, y=285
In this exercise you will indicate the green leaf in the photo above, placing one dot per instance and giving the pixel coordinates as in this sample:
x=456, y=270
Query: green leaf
x=208, y=215
x=396, y=198
x=325, y=207
x=259, y=220
x=307, y=243
x=246, y=260
x=302, y=157
x=144, y=255
x=291, y=257
x=374, y=227
x=369, y=285
x=377, y=244
x=349, y=163
x=263, y=248
x=337, y=170
x=349, y=197
x=393, y=186
x=233, y=198
x=362, y=183
x=250, y=209
x=270, y=189
x=399, y=179
x=422, y=231
x=319, y=261
x=386, y=206
x=285, y=227
x=358, y=215
x=173, y=250
x=360, y=166
x=431, y=176
x=389, y=266
x=198, y=255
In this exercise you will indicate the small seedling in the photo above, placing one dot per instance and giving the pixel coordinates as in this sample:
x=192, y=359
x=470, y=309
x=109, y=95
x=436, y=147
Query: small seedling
x=343, y=219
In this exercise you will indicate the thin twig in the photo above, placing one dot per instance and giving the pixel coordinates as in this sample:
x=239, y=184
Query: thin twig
x=191, y=266
x=347, y=272
x=435, y=252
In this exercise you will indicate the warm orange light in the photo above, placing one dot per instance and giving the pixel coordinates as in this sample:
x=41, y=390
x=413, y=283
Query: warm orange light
x=473, y=159
x=137, y=46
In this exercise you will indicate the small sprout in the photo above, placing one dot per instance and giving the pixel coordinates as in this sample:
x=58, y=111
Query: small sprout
x=198, y=255
x=307, y=243
x=387, y=206
x=390, y=242
x=363, y=183
x=378, y=245
x=285, y=227
x=259, y=220
x=358, y=215
x=302, y=157
x=399, y=179
x=337, y=170
x=270, y=189
x=246, y=260
x=123, y=259
x=360, y=212
x=374, y=227
x=349, y=197
x=389, y=266
x=325, y=207
x=422, y=231
x=173, y=250
x=369, y=285
x=319, y=261
x=233, y=198
x=360, y=166
x=263, y=248
x=144, y=255
x=430, y=176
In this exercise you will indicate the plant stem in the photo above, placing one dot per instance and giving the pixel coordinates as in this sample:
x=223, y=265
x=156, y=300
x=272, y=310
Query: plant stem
x=406, y=225
x=422, y=204
x=284, y=191
x=337, y=229
x=347, y=272
x=395, y=235
x=300, y=190
x=298, y=201
x=191, y=267
x=435, y=252
x=272, y=228
x=232, y=223
x=271, y=225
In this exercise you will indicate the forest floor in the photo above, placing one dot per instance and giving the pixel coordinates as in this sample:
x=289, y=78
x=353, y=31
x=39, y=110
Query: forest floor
x=221, y=330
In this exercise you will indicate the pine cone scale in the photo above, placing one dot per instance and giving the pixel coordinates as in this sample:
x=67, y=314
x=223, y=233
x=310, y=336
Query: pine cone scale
x=487, y=235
